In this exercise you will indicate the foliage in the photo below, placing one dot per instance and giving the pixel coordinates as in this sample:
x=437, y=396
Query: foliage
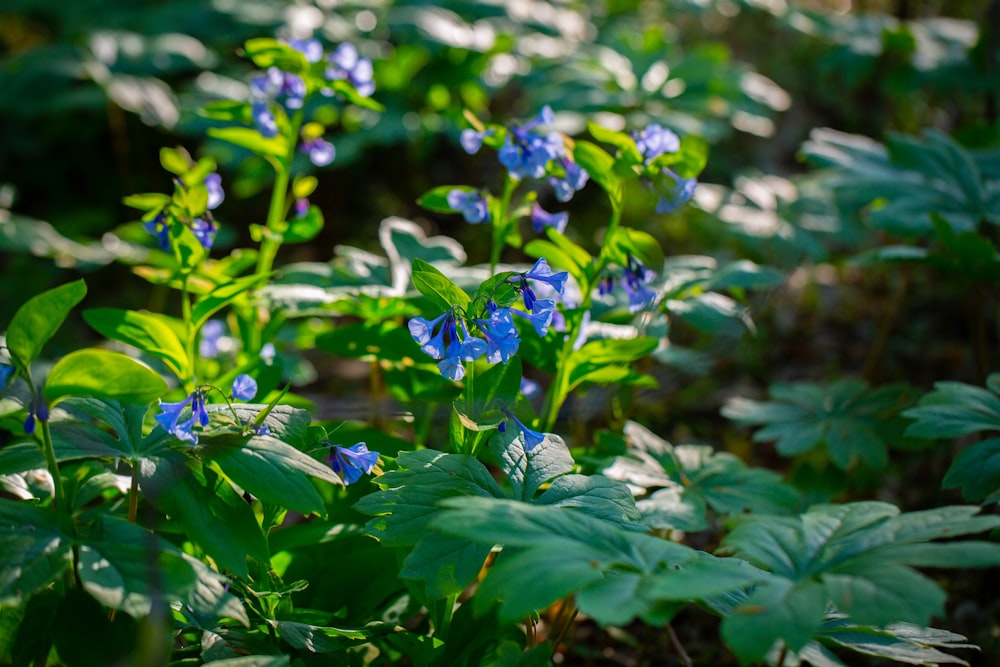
x=179, y=488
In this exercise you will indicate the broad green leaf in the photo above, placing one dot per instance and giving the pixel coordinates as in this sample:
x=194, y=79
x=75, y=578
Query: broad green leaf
x=857, y=556
x=436, y=199
x=528, y=471
x=39, y=318
x=955, y=409
x=251, y=139
x=151, y=201
x=588, y=362
x=437, y=287
x=222, y=296
x=600, y=166
x=255, y=661
x=691, y=478
x=855, y=423
x=976, y=470
x=36, y=550
x=274, y=471
x=386, y=341
x=625, y=242
x=902, y=642
x=711, y=312
x=126, y=567
x=305, y=227
x=103, y=374
x=212, y=514
x=145, y=331
x=407, y=503
x=594, y=495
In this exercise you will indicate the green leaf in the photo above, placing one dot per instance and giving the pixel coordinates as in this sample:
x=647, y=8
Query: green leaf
x=126, y=567
x=306, y=227
x=437, y=287
x=625, y=242
x=528, y=471
x=855, y=423
x=857, y=556
x=274, y=471
x=146, y=331
x=174, y=161
x=407, y=503
x=39, y=318
x=267, y=52
x=589, y=362
x=252, y=140
x=600, y=166
x=976, y=470
x=150, y=201
x=36, y=550
x=436, y=199
x=212, y=514
x=222, y=296
x=111, y=376
x=955, y=409
x=902, y=642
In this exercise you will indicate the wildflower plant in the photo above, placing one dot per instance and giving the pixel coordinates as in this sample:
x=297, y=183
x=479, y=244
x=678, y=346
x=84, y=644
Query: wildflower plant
x=190, y=489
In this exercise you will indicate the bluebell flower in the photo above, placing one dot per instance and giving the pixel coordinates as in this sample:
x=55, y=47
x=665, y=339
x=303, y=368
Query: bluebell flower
x=501, y=336
x=216, y=195
x=526, y=154
x=680, y=193
x=284, y=87
x=310, y=48
x=6, y=371
x=530, y=388
x=37, y=411
x=211, y=334
x=158, y=227
x=263, y=119
x=320, y=152
x=423, y=331
x=573, y=179
x=261, y=430
x=472, y=140
x=540, y=219
x=346, y=64
x=473, y=206
x=170, y=416
x=244, y=387
x=531, y=438
x=541, y=315
x=301, y=207
x=542, y=272
x=204, y=230
x=352, y=462
x=655, y=140
x=634, y=281
x=268, y=352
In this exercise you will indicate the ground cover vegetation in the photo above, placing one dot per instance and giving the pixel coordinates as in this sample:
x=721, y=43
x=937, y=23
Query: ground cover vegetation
x=514, y=333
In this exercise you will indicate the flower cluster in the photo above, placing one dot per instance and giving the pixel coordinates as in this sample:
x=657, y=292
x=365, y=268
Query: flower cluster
x=527, y=153
x=352, y=462
x=633, y=280
x=180, y=418
x=289, y=91
x=448, y=337
x=203, y=227
x=673, y=190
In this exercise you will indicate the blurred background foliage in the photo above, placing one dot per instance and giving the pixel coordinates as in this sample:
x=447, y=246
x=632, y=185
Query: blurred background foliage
x=90, y=91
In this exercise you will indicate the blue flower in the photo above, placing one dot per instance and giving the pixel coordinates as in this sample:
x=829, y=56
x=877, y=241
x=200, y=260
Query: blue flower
x=204, y=230
x=473, y=206
x=352, y=462
x=422, y=331
x=346, y=64
x=158, y=227
x=321, y=153
x=216, y=195
x=679, y=194
x=654, y=140
x=263, y=119
x=501, y=336
x=529, y=388
x=170, y=416
x=244, y=387
x=634, y=281
x=38, y=410
x=284, y=87
x=542, y=272
x=5, y=372
x=472, y=140
x=310, y=48
x=540, y=219
x=540, y=315
x=211, y=334
x=526, y=154
x=573, y=180
x=531, y=438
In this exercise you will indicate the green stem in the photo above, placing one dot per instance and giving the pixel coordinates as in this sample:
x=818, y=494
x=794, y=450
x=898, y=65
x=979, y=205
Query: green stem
x=189, y=333
x=133, y=494
x=442, y=612
x=470, y=437
x=53, y=465
x=276, y=224
x=557, y=393
x=502, y=224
